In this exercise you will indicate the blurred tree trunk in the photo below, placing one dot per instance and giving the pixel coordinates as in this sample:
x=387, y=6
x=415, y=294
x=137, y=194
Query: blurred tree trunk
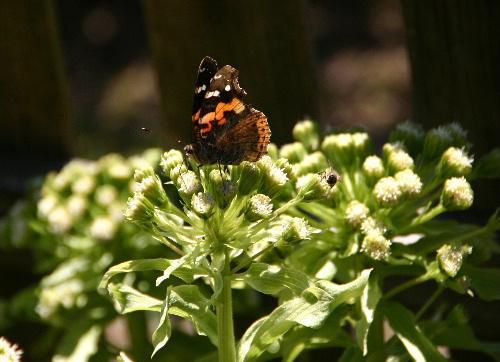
x=33, y=93
x=454, y=48
x=266, y=40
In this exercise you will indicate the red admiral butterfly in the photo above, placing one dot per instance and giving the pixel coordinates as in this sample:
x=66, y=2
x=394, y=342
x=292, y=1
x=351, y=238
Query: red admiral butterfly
x=225, y=129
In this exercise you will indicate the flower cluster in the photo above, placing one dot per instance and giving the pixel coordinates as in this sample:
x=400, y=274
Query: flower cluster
x=75, y=226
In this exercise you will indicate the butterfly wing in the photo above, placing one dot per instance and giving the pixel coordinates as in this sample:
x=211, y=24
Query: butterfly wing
x=246, y=140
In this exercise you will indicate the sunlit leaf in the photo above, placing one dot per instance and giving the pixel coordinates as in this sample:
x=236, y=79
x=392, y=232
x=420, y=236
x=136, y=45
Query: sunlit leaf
x=405, y=327
x=162, y=333
x=127, y=299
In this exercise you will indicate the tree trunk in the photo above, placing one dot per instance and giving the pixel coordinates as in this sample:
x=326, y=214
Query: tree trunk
x=34, y=112
x=454, y=48
x=266, y=40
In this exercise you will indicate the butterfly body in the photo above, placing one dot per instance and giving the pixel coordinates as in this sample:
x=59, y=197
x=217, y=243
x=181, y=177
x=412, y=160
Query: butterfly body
x=225, y=129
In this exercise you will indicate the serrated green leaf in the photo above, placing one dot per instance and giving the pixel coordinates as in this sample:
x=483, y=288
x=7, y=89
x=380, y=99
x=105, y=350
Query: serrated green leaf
x=162, y=333
x=273, y=279
x=403, y=323
x=188, y=302
x=369, y=301
x=485, y=281
x=134, y=266
x=330, y=334
x=308, y=310
x=127, y=299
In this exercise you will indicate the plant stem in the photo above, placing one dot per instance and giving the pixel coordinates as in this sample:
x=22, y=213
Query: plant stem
x=429, y=302
x=431, y=214
x=410, y=283
x=225, y=326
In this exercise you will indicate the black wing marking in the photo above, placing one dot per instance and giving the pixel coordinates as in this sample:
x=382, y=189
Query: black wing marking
x=206, y=71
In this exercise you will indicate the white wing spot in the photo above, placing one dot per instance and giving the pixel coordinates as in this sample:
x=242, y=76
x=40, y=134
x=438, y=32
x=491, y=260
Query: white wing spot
x=217, y=76
x=227, y=88
x=212, y=94
x=201, y=88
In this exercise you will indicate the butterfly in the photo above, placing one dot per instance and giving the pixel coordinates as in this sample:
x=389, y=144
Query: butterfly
x=226, y=130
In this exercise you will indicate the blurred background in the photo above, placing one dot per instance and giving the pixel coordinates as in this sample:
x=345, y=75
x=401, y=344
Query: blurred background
x=83, y=78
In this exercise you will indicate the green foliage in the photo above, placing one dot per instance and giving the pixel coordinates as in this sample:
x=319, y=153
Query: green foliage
x=327, y=227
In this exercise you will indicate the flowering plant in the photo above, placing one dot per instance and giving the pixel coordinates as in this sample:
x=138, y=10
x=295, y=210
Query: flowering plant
x=327, y=243
x=73, y=225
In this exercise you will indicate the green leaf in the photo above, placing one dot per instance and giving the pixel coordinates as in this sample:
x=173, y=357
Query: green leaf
x=488, y=166
x=162, y=333
x=127, y=299
x=273, y=279
x=330, y=334
x=369, y=301
x=352, y=354
x=134, y=266
x=308, y=310
x=188, y=302
x=485, y=281
x=405, y=327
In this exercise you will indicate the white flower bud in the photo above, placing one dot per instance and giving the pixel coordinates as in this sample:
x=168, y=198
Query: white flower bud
x=409, y=182
x=59, y=220
x=202, y=203
x=387, y=192
x=83, y=185
x=373, y=167
x=355, y=213
x=455, y=162
x=451, y=257
x=376, y=246
x=259, y=207
x=457, y=194
x=9, y=352
x=103, y=228
x=76, y=206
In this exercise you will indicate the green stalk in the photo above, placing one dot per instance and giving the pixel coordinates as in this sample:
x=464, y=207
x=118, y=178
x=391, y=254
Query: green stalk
x=225, y=325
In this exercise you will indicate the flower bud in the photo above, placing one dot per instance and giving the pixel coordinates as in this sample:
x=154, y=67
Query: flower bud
x=272, y=151
x=139, y=209
x=105, y=195
x=376, y=246
x=9, y=352
x=188, y=183
x=103, y=228
x=387, y=192
x=436, y=141
x=455, y=162
x=116, y=166
x=76, y=206
x=372, y=226
x=457, y=194
x=312, y=187
x=202, y=203
x=306, y=132
x=362, y=143
x=83, y=185
x=294, y=152
x=312, y=163
x=297, y=229
x=339, y=148
x=355, y=213
x=151, y=187
x=399, y=160
x=60, y=220
x=410, y=134
x=259, y=207
x=140, y=174
x=250, y=177
x=169, y=160
x=450, y=258
x=287, y=168
x=273, y=177
x=177, y=171
x=45, y=205
x=373, y=168
x=458, y=134
x=409, y=182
